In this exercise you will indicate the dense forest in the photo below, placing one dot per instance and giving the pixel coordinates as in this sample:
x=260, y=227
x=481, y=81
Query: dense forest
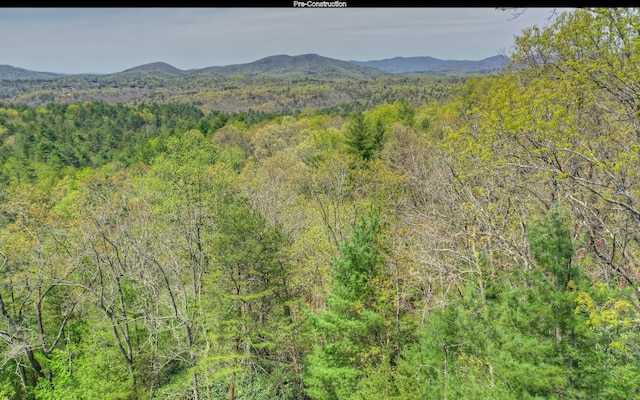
x=482, y=243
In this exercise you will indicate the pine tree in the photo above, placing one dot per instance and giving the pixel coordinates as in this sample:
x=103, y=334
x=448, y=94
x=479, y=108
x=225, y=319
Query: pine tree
x=362, y=139
x=351, y=329
x=248, y=302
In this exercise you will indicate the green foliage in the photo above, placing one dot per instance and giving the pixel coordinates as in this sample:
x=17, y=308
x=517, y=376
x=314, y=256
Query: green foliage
x=93, y=133
x=363, y=139
x=609, y=316
x=10, y=385
x=551, y=245
x=524, y=341
x=249, y=293
x=351, y=331
x=154, y=251
x=81, y=372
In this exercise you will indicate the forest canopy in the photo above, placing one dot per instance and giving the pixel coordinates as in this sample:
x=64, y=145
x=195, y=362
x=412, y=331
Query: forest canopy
x=482, y=242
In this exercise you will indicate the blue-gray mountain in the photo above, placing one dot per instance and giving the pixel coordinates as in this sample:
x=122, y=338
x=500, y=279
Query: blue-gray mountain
x=306, y=65
x=8, y=72
x=399, y=65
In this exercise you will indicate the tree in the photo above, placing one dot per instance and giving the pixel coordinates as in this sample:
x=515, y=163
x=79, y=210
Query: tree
x=40, y=283
x=115, y=266
x=248, y=297
x=578, y=80
x=186, y=186
x=362, y=139
x=594, y=47
x=352, y=332
x=516, y=338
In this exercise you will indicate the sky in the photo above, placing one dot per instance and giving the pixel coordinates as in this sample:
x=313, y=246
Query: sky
x=108, y=40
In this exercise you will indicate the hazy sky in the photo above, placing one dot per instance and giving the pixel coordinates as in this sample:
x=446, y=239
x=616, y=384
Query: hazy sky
x=106, y=40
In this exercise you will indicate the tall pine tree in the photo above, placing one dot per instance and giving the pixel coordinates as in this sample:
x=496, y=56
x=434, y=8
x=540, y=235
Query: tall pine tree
x=352, y=332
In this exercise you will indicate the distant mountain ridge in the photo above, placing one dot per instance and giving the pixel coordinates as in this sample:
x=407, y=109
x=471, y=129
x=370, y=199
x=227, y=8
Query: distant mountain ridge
x=282, y=64
x=9, y=72
x=306, y=64
x=429, y=64
x=160, y=67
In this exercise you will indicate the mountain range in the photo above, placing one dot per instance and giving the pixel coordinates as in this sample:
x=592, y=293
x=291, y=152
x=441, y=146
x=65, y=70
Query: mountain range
x=430, y=64
x=279, y=83
x=305, y=65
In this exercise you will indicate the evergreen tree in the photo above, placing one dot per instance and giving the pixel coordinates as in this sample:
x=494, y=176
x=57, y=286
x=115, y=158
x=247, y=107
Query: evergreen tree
x=517, y=339
x=362, y=139
x=351, y=330
x=249, y=333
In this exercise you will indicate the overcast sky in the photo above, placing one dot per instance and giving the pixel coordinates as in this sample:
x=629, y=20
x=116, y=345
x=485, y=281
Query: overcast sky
x=106, y=40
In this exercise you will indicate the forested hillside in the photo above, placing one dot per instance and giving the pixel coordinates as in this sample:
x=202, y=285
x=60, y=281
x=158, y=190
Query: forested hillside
x=282, y=84
x=481, y=243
